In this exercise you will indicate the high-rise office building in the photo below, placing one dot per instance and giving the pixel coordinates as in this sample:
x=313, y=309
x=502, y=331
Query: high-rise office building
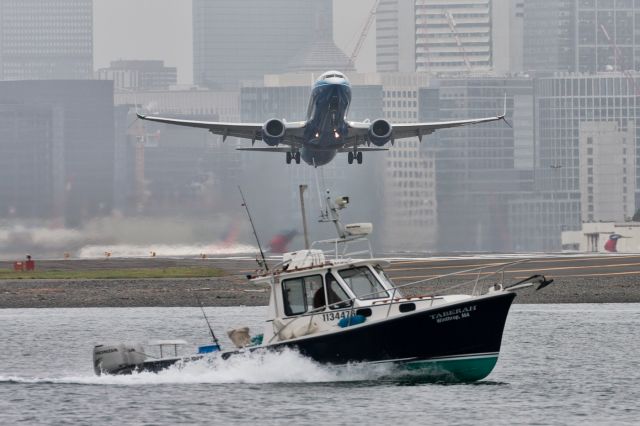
x=449, y=36
x=581, y=35
x=479, y=169
x=243, y=40
x=46, y=39
x=576, y=113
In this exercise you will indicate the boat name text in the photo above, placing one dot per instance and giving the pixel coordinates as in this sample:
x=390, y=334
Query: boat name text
x=453, y=314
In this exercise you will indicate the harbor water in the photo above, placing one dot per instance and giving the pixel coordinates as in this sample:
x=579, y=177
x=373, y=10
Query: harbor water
x=560, y=364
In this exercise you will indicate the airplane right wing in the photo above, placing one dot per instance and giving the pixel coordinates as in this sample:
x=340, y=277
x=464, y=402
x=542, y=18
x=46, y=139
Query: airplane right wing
x=253, y=131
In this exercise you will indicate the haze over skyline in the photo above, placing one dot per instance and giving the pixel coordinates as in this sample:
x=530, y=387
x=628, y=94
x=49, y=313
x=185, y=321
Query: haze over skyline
x=139, y=30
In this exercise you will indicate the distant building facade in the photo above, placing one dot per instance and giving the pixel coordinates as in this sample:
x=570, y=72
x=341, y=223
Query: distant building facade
x=236, y=41
x=572, y=111
x=586, y=36
x=607, y=171
x=480, y=169
x=75, y=150
x=46, y=39
x=176, y=170
x=28, y=178
x=445, y=37
x=139, y=75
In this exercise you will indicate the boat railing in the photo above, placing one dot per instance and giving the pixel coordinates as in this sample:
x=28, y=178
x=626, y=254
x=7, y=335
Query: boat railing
x=341, y=246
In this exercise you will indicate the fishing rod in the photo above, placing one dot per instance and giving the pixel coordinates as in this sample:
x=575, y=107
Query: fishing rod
x=213, y=336
x=255, y=234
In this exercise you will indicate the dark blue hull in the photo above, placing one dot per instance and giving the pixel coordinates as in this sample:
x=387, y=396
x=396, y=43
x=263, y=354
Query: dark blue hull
x=460, y=341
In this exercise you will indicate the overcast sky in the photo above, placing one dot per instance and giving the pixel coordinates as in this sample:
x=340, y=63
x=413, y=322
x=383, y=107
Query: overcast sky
x=161, y=29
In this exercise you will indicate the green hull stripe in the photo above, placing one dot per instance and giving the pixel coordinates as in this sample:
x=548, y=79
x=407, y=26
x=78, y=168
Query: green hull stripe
x=466, y=369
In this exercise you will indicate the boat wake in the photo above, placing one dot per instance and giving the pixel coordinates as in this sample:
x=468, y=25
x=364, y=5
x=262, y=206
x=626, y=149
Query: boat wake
x=285, y=367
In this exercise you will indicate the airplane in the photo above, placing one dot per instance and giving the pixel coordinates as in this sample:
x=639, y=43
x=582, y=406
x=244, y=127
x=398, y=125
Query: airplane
x=326, y=131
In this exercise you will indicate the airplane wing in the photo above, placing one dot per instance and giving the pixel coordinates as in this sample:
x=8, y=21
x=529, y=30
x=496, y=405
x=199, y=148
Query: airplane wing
x=253, y=131
x=359, y=130
x=409, y=130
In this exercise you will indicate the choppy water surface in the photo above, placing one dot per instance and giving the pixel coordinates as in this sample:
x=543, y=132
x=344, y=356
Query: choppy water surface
x=560, y=364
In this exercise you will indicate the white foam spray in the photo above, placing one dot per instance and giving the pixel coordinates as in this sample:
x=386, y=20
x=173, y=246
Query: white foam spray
x=256, y=368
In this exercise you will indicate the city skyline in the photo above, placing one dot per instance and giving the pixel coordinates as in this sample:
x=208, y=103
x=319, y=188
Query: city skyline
x=137, y=30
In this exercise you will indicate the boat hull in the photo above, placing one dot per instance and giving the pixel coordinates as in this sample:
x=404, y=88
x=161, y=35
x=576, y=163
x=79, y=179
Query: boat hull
x=460, y=341
x=456, y=342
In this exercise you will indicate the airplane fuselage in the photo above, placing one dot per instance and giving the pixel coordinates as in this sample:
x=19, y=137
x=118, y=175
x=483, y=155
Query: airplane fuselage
x=326, y=128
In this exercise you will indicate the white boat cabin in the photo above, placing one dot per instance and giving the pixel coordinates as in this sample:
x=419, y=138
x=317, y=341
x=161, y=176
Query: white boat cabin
x=311, y=294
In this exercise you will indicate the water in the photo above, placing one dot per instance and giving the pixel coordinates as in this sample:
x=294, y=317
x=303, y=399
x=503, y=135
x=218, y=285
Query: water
x=560, y=364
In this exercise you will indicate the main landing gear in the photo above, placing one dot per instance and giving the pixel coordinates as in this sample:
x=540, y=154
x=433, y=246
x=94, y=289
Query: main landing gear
x=354, y=156
x=293, y=156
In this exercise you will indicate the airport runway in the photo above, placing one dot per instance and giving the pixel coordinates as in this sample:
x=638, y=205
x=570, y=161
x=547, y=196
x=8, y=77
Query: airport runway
x=578, y=279
x=401, y=270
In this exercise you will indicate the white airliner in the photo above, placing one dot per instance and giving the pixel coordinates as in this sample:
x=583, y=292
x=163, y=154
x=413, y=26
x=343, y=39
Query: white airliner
x=326, y=130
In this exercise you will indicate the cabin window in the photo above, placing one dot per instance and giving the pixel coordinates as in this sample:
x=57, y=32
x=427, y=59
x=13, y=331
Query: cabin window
x=298, y=294
x=386, y=280
x=363, y=283
x=338, y=298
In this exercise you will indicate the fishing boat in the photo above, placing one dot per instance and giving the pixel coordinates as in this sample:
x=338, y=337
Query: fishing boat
x=337, y=306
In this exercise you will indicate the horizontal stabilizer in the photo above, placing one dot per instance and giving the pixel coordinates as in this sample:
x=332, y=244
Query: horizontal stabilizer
x=261, y=149
x=363, y=149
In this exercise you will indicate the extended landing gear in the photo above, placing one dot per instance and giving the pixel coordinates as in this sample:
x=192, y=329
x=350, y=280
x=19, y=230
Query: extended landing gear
x=354, y=156
x=293, y=156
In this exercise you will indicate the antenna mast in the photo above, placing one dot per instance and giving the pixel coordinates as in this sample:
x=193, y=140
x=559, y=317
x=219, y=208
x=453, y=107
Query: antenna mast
x=255, y=234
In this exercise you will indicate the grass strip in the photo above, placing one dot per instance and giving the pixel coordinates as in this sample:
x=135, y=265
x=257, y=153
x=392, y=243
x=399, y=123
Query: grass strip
x=107, y=274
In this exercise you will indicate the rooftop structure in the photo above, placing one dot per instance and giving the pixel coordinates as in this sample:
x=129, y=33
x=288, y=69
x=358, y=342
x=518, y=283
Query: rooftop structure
x=139, y=75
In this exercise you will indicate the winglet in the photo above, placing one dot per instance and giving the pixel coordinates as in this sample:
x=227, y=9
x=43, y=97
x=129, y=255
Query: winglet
x=140, y=116
x=503, y=117
x=504, y=106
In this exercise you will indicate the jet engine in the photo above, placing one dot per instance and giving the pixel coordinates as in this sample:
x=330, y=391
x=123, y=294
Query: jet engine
x=380, y=132
x=273, y=132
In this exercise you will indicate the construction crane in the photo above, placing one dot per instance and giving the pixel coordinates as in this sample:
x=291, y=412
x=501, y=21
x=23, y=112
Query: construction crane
x=452, y=26
x=617, y=60
x=364, y=34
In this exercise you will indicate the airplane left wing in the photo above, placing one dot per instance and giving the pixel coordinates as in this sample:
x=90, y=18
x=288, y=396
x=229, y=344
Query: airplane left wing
x=252, y=131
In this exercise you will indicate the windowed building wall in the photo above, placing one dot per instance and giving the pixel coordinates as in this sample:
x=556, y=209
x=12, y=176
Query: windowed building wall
x=480, y=169
x=46, y=39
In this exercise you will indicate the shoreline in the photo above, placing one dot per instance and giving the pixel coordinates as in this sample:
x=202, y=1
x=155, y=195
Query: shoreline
x=234, y=290
x=597, y=280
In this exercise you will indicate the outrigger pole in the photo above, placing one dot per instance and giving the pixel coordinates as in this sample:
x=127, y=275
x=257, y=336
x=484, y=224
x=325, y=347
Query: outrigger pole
x=255, y=234
x=213, y=336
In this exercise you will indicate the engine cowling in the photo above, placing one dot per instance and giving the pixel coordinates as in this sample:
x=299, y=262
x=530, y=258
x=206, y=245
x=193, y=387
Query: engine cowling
x=380, y=132
x=273, y=132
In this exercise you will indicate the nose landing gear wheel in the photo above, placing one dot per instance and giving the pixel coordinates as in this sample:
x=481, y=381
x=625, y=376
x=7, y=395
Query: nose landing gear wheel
x=297, y=156
x=350, y=157
x=288, y=158
x=359, y=157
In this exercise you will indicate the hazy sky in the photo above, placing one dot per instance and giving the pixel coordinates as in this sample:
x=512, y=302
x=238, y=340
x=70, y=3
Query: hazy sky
x=161, y=29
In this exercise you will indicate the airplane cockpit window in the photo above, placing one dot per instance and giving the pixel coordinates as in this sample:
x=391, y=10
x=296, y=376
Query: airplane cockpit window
x=334, y=75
